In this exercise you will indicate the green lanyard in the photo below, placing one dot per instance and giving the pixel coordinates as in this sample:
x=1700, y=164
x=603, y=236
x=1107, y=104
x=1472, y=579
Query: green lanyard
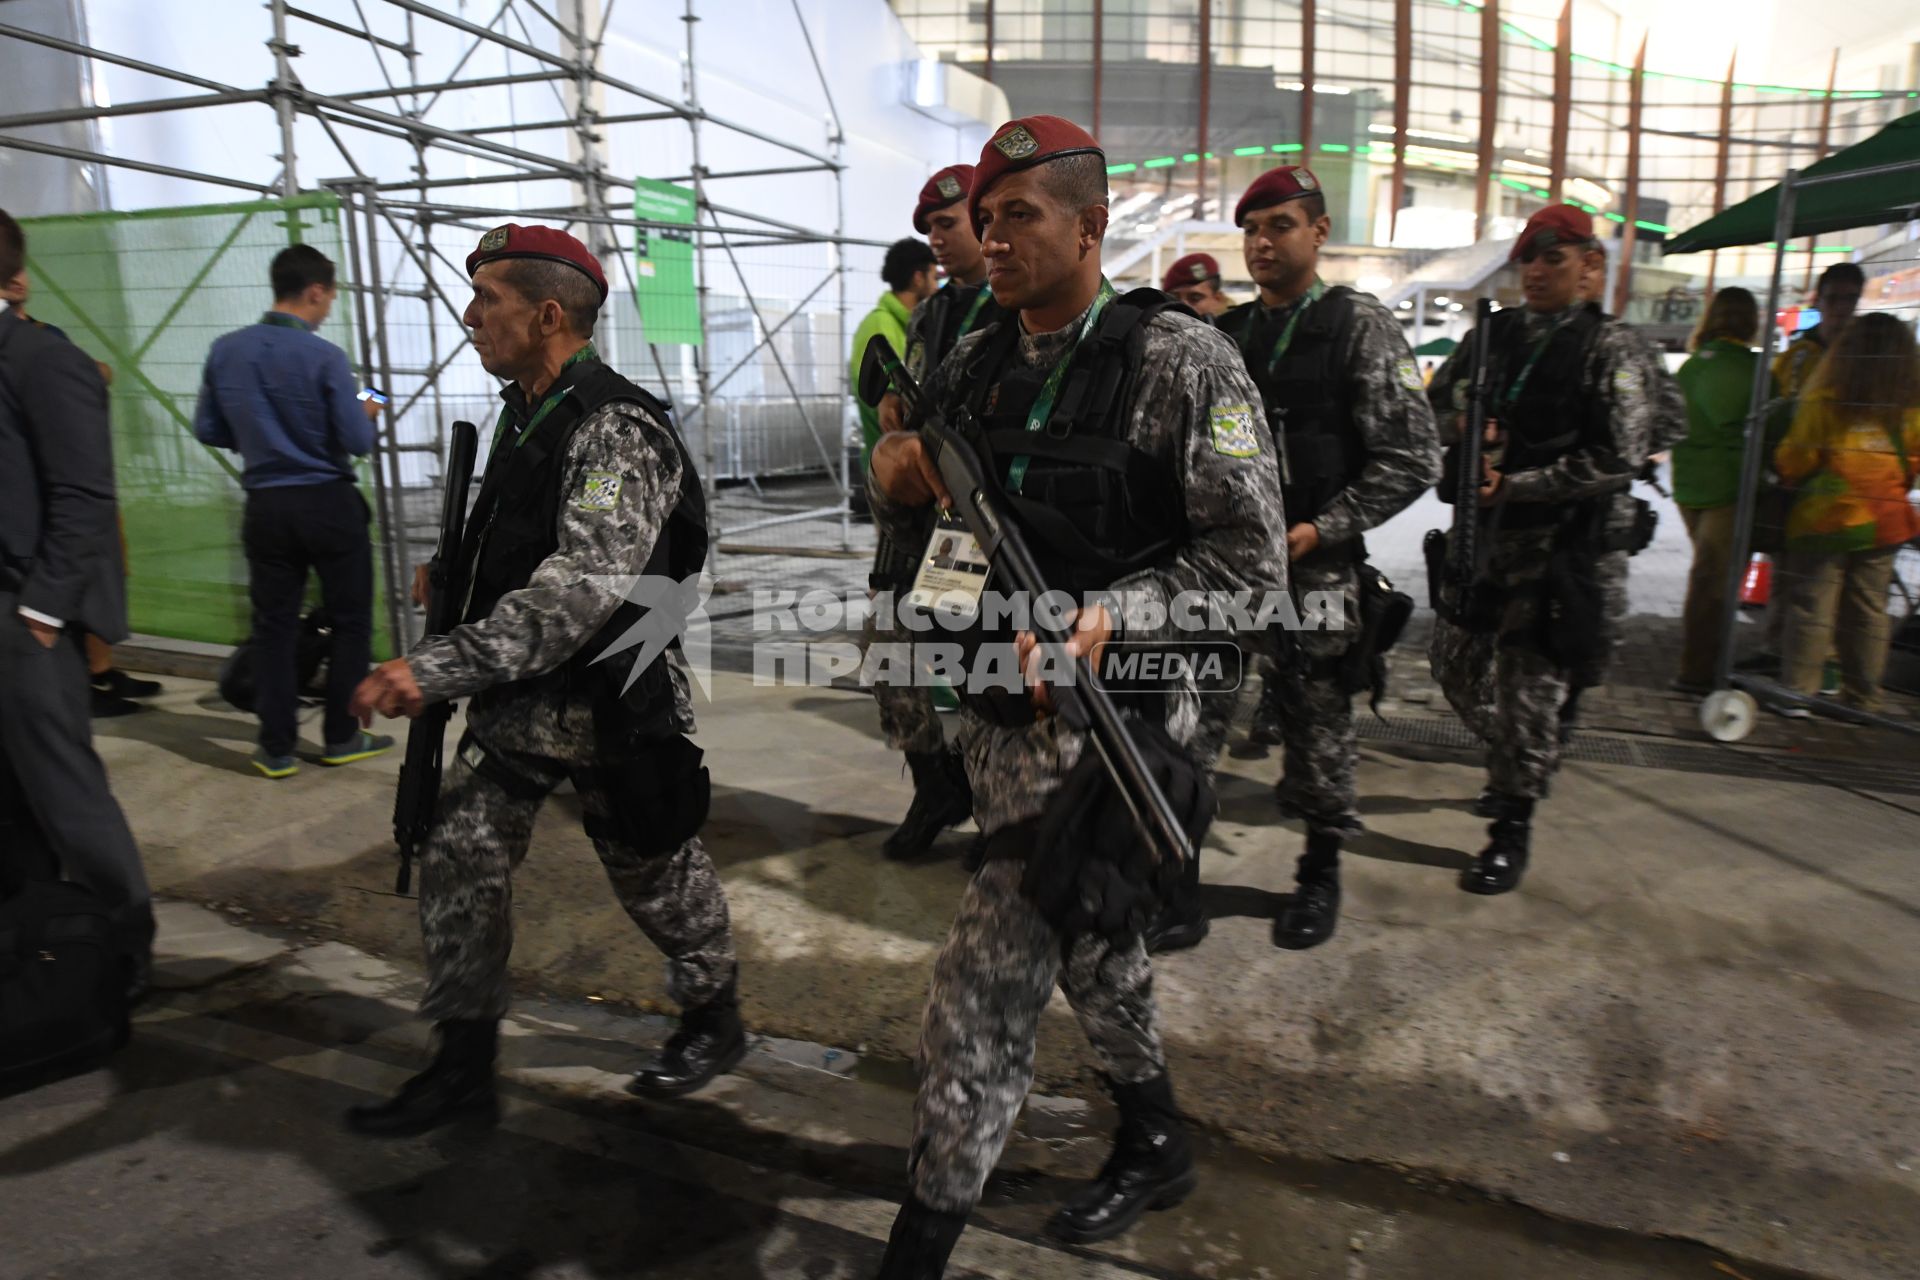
x=1314, y=293
x=973, y=311
x=1050, y=389
x=1533, y=358
x=554, y=397
x=281, y=320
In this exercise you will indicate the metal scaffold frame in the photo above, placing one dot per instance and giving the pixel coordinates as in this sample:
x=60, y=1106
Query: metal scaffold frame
x=409, y=209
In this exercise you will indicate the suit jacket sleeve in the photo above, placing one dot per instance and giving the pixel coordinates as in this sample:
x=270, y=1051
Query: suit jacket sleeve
x=64, y=415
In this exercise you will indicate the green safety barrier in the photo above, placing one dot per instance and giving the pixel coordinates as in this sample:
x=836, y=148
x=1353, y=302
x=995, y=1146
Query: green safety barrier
x=146, y=292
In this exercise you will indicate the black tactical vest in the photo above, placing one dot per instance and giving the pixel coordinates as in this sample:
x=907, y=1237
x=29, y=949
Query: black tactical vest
x=515, y=525
x=1555, y=411
x=1094, y=509
x=1306, y=397
x=946, y=312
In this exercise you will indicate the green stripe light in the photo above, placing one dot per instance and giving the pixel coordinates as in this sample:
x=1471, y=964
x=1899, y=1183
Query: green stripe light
x=1249, y=151
x=1158, y=162
x=1338, y=147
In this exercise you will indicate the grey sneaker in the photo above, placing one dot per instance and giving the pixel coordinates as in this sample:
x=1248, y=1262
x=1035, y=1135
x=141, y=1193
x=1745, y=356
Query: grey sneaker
x=361, y=746
x=275, y=767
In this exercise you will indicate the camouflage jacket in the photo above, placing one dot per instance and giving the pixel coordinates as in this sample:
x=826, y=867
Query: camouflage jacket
x=535, y=629
x=1193, y=406
x=1387, y=409
x=931, y=319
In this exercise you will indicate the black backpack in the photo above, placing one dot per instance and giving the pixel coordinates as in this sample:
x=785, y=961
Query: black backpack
x=63, y=982
x=310, y=655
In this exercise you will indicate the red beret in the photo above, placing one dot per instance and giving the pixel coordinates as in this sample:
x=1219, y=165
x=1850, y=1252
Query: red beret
x=1276, y=186
x=551, y=243
x=1555, y=224
x=949, y=186
x=1021, y=144
x=1190, y=270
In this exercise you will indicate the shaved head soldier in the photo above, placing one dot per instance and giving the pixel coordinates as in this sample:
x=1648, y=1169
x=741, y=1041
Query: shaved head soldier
x=1351, y=420
x=587, y=480
x=1124, y=401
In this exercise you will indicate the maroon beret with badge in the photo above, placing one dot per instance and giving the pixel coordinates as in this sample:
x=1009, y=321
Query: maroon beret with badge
x=550, y=243
x=949, y=186
x=1276, y=186
x=1021, y=144
x=1554, y=225
x=1189, y=271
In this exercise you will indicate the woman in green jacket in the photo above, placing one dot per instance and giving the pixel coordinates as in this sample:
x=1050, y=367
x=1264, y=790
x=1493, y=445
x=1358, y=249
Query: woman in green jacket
x=1718, y=383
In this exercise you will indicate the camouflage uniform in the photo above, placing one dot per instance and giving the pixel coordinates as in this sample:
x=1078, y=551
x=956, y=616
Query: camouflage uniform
x=544, y=734
x=1386, y=409
x=1668, y=425
x=1500, y=682
x=1000, y=962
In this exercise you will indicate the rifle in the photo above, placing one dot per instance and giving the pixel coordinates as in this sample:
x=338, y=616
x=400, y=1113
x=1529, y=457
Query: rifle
x=1453, y=558
x=419, y=791
x=1084, y=704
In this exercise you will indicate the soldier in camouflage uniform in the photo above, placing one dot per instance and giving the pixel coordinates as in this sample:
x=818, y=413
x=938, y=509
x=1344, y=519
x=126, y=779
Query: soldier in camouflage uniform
x=1571, y=419
x=1350, y=415
x=907, y=714
x=586, y=478
x=1040, y=197
x=1669, y=424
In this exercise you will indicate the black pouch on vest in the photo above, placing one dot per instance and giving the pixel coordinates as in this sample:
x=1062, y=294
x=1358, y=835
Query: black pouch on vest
x=659, y=793
x=1573, y=608
x=1384, y=612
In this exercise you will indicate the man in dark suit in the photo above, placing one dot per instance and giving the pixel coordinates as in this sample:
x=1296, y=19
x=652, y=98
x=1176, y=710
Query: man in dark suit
x=60, y=580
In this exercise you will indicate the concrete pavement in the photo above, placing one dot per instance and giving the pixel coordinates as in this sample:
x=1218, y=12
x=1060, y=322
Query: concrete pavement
x=212, y=1148
x=1696, y=1019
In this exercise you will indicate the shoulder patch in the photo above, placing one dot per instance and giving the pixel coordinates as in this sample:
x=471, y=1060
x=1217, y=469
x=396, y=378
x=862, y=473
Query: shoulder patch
x=599, y=491
x=1231, y=426
x=1409, y=375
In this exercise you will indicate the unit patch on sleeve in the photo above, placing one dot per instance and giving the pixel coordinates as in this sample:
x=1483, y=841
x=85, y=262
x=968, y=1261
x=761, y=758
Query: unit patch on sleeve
x=1233, y=433
x=599, y=491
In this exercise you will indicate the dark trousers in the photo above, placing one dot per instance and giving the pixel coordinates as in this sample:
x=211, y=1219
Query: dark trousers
x=287, y=531
x=57, y=814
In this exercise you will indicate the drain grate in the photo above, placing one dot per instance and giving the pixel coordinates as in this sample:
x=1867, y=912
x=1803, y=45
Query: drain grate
x=1667, y=754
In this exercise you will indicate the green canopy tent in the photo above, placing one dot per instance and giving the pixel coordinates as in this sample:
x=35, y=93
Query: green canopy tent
x=1879, y=187
x=1438, y=347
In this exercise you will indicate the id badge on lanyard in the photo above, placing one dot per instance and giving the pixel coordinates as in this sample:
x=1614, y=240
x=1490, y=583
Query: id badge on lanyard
x=953, y=571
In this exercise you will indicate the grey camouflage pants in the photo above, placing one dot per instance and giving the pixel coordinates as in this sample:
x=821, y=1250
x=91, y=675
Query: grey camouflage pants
x=1610, y=570
x=479, y=837
x=1509, y=695
x=907, y=714
x=1320, y=747
x=990, y=984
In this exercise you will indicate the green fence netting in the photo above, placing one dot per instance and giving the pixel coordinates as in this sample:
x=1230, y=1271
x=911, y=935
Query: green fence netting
x=146, y=293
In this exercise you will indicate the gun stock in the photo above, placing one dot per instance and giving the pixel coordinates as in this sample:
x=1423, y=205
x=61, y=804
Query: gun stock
x=419, y=790
x=1085, y=704
x=1455, y=597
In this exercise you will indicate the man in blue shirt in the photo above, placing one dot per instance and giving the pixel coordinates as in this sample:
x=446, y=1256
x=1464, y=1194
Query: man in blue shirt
x=284, y=398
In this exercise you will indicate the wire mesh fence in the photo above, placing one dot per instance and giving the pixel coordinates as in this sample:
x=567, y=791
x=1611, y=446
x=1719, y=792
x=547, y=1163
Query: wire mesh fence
x=146, y=293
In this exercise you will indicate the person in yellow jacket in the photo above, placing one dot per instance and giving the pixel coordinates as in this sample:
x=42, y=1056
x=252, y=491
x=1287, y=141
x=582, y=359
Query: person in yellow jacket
x=1851, y=456
x=911, y=278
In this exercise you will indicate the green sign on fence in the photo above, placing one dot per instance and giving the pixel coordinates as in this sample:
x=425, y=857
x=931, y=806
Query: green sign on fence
x=663, y=263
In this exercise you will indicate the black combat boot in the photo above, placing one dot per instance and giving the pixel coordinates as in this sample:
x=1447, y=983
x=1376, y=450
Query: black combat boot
x=1182, y=920
x=1311, y=913
x=1151, y=1167
x=1487, y=804
x=941, y=799
x=1500, y=865
x=458, y=1085
x=709, y=1042
x=921, y=1242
